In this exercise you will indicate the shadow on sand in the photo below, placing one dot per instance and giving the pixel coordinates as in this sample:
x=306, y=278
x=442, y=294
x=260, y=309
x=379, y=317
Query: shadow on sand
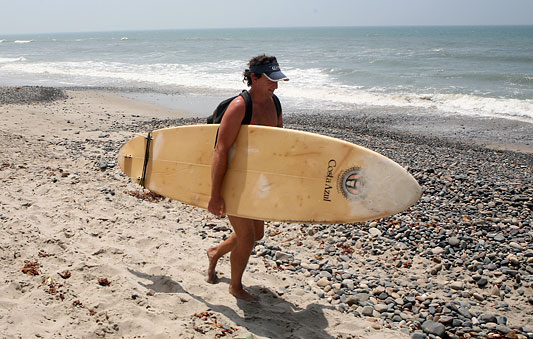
x=271, y=316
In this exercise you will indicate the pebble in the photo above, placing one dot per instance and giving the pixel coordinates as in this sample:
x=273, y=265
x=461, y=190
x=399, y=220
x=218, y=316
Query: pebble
x=283, y=256
x=374, y=232
x=323, y=282
x=437, y=251
x=454, y=241
x=482, y=282
x=457, y=285
x=310, y=266
x=432, y=327
x=435, y=269
x=325, y=274
x=348, y=283
x=499, y=237
x=368, y=311
x=381, y=308
x=418, y=335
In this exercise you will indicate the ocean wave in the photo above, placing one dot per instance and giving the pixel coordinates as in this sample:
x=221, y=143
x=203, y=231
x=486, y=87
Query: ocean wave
x=312, y=88
x=466, y=104
x=23, y=41
x=205, y=75
x=495, y=57
x=8, y=60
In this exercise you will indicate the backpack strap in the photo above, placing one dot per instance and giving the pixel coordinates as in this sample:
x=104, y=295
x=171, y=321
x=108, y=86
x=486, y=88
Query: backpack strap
x=249, y=107
x=278, y=104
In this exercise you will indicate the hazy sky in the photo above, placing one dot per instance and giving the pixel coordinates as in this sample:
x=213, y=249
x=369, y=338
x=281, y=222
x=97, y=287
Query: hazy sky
x=44, y=16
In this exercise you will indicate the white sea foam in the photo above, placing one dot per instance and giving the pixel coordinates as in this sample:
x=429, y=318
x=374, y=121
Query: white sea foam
x=8, y=60
x=23, y=41
x=310, y=88
x=451, y=103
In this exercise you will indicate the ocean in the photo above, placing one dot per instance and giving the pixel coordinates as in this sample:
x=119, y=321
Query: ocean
x=480, y=71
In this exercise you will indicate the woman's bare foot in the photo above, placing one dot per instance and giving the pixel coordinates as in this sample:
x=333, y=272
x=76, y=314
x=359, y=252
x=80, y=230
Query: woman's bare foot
x=242, y=294
x=211, y=273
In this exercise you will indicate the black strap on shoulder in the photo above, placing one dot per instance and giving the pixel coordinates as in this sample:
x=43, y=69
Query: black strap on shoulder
x=146, y=157
x=249, y=107
x=278, y=104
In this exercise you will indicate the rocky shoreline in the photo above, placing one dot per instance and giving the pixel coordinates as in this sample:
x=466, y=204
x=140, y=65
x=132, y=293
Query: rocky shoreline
x=472, y=226
x=458, y=264
x=30, y=94
x=469, y=237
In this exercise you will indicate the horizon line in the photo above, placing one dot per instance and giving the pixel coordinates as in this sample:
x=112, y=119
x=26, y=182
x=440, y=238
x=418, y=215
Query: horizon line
x=265, y=27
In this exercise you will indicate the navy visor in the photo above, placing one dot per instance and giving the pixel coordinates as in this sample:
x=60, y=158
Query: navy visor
x=271, y=71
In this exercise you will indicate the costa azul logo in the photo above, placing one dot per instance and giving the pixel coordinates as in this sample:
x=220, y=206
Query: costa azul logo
x=275, y=67
x=332, y=164
x=349, y=183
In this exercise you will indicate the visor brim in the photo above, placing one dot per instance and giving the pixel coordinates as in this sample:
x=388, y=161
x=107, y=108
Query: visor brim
x=276, y=76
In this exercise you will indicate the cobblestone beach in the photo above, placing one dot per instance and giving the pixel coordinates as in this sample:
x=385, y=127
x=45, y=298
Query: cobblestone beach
x=458, y=264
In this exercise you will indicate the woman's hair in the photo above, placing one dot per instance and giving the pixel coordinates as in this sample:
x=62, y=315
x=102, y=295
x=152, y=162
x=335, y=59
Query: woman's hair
x=258, y=60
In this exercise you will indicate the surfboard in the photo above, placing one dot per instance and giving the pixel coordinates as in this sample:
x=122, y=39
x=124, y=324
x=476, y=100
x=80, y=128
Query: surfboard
x=273, y=174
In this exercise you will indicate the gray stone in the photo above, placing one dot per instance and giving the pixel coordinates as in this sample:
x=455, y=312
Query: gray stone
x=397, y=318
x=457, y=323
x=502, y=328
x=362, y=298
x=457, y=285
x=352, y=300
x=381, y=308
x=454, y=241
x=478, y=297
x=368, y=311
x=487, y=318
x=418, y=335
x=516, y=246
x=325, y=274
x=349, y=283
x=482, y=282
x=464, y=312
x=499, y=237
x=283, y=256
x=446, y=320
x=432, y=327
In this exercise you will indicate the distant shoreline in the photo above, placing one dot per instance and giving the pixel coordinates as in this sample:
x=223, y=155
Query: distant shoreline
x=492, y=133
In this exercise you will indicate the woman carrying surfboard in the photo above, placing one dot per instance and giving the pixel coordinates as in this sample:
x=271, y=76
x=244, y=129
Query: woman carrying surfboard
x=262, y=77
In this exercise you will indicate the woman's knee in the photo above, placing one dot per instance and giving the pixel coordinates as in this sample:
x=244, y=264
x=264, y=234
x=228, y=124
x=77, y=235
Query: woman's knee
x=244, y=232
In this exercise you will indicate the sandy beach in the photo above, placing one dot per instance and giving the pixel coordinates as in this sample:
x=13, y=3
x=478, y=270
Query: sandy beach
x=86, y=253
